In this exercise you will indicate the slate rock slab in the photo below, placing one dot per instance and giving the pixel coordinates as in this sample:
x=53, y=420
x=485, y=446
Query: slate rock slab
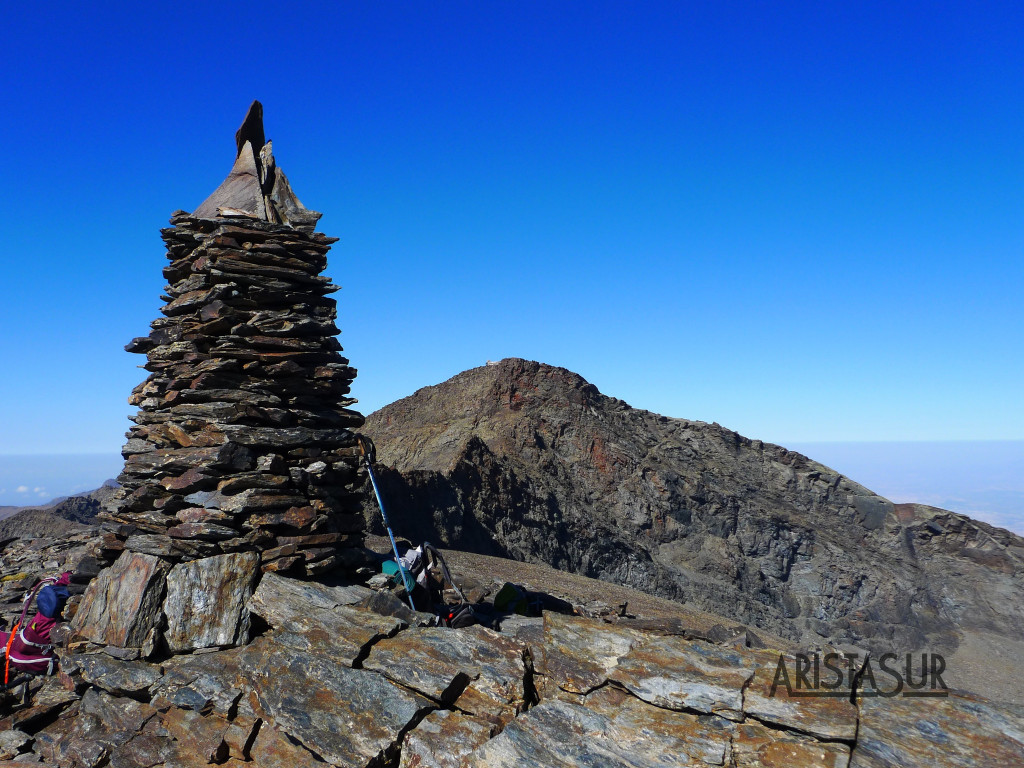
x=103, y=722
x=481, y=671
x=580, y=654
x=443, y=739
x=676, y=673
x=959, y=731
x=829, y=718
x=122, y=605
x=349, y=717
x=274, y=749
x=209, y=682
x=562, y=734
x=121, y=678
x=755, y=746
x=206, y=601
x=317, y=619
x=11, y=742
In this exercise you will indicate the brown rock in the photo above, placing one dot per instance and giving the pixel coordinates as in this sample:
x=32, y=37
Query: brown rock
x=580, y=654
x=122, y=604
x=200, y=736
x=274, y=749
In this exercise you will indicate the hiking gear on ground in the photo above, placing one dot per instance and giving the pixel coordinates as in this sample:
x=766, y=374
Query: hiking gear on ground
x=458, y=616
x=392, y=569
x=51, y=600
x=429, y=570
x=512, y=598
x=369, y=453
x=27, y=647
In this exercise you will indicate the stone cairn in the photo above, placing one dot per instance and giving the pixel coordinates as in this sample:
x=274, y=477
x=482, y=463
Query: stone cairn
x=241, y=458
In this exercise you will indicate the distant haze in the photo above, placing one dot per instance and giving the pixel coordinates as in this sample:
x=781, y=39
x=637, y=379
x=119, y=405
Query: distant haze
x=39, y=478
x=983, y=479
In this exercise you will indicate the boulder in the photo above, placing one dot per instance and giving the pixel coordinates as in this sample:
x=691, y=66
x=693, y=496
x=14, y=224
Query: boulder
x=312, y=618
x=206, y=601
x=122, y=605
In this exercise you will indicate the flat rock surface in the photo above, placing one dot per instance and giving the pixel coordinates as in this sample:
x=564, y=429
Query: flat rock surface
x=317, y=619
x=937, y=732
x=347, y=716
x=580, y=654
x=478, y=670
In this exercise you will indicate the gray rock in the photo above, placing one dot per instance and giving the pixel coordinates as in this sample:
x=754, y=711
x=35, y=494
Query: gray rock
x=120, y=678
x=580, y=654
x=481, y=671
x=824, y=717
x=11, y=743
x=952, y=732
x=206, y=601
x=313, y=618
x=208, y=682
x=346, y=716
x=559, y=734
x=443, y=739
x=674, y=673
x=103, y=722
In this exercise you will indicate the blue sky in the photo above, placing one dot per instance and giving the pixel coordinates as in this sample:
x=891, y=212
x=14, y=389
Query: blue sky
x=803, y=222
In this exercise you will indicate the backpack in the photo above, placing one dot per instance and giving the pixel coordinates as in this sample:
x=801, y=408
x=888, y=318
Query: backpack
x=426, y=575
x=512, y=598
x=428, y=579
x=27, y=647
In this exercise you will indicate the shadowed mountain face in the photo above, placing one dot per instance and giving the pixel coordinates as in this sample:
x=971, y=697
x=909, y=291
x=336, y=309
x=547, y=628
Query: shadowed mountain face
x=63, y=517
x=531, y=462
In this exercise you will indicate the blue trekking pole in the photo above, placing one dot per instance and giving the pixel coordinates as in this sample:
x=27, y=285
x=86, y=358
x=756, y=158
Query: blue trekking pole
x=369, y=455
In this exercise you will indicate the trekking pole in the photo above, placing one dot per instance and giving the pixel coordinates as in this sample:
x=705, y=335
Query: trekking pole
x=369, y=455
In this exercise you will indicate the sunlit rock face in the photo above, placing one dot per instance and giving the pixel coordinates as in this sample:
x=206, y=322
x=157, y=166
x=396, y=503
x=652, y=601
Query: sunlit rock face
x=529, y=461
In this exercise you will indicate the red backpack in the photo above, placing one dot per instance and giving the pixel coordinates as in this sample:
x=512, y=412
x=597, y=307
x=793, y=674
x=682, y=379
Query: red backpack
x=27, y=647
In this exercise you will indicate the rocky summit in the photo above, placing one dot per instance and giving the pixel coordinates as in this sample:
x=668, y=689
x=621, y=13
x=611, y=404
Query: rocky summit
x=226, y=610
x=530, y=461
x=342, y=675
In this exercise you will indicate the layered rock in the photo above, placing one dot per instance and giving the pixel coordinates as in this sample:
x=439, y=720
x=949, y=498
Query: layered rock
x=330, y=682
x=242, y=455
x=243, y=439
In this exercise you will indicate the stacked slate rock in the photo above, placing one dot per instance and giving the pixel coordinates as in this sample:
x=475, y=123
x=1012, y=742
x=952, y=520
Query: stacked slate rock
x=243, y=440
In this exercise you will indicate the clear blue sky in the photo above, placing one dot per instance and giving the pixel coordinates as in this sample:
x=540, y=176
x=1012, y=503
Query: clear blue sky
x=800, y=221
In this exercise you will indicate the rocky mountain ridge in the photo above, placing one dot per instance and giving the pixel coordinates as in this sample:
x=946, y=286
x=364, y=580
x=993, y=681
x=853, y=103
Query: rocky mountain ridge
x=531, y=462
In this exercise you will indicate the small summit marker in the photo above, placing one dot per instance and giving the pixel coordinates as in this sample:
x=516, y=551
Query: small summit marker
x=256, y=187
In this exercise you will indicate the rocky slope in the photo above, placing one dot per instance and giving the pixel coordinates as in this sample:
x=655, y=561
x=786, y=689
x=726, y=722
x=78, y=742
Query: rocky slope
x=531, y=462
x=338, y=675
